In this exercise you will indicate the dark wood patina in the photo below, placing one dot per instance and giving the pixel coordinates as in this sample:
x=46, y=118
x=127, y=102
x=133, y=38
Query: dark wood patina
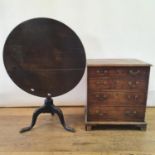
x=117, y=92
x=44, y=57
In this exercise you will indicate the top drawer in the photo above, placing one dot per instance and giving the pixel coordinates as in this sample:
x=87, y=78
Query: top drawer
x=118, y=71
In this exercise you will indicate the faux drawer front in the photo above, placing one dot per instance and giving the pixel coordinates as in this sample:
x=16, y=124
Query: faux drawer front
x=117, y=99
x=102, y=84
x=119, y=114
x=118, y=71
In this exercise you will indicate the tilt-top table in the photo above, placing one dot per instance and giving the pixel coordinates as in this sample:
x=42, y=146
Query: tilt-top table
x=44, y=57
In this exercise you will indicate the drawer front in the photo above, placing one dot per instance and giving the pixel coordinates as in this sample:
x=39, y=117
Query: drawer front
x=117, y=99
x=118, y=72
x=101, y=84
x=118, y=114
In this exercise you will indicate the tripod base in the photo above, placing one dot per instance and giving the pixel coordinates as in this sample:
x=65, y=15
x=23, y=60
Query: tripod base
x=48, y=107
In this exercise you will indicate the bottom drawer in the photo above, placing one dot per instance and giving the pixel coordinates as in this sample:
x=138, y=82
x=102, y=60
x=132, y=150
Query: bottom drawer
x=122, y=114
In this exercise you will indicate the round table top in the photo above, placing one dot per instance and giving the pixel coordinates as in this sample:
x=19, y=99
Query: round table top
x=44, y=57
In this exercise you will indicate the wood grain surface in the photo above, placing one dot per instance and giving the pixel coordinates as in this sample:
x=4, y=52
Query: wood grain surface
x=44, y=57
x=49, y=138
x=116, y=91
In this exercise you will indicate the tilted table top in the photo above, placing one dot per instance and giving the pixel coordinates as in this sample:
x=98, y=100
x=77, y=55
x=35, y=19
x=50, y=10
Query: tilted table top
x=44, y=57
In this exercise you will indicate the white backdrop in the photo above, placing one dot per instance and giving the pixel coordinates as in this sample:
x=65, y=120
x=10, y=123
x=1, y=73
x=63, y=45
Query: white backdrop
x=107, y=28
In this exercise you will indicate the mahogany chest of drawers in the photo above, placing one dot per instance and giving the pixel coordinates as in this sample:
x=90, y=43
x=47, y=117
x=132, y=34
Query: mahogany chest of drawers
x=116, y=92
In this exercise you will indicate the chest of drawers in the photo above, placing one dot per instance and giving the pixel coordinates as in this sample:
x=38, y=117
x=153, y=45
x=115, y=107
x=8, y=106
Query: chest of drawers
x=116, y=92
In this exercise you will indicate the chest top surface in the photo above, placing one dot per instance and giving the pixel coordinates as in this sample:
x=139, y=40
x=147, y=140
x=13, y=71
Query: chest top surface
x=116, y=62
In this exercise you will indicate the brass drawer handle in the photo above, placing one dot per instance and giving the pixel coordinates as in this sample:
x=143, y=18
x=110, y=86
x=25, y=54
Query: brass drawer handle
x=101, y=97
x=134, y=112
x=98, y=82
x=132, y=72
x=97, y=96
x=101, y=71
x=101, y=82
x=131, y=113
x=127, y=113
x=133, y=84
x=100, y=113
x=98, y=71
x=105, y=71
x=130, y=97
